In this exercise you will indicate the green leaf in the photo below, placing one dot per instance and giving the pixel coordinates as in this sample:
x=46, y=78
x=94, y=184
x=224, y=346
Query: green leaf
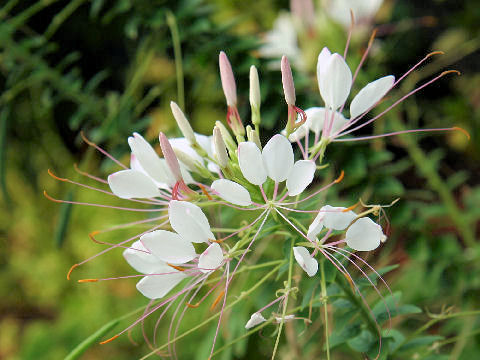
x=420, y=341
x=91, y=340
x=391, y=304
x=64, y=217
x=363, y=342
x=345, y=334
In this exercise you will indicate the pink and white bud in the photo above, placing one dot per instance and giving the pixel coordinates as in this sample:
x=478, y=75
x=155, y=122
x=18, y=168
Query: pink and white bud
x=287, y=81
x=220, y=147
x=252, y=136
x=254, y=88
x=170, y=157
x=228, y=80
x=182, y=122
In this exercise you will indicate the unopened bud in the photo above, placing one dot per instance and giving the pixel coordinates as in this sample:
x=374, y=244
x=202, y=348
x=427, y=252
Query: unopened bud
x=191, y=164
x=220, y=148
x=252, y=136
x=287, y=81
x=227, y=137
x=170, y=157
x=183, y=123
x=254, y=88
x=228, y=80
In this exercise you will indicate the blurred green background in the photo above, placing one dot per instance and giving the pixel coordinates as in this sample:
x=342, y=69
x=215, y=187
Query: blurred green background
x=108, y=68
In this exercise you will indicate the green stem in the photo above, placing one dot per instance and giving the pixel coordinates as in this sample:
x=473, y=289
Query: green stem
x=242, y=296
x=323, y=285
x=285, y=304
x=177, y=51
x=61, y=17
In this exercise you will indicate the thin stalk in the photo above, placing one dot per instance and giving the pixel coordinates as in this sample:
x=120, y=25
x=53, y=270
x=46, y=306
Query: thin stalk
x=242, y=296
x=177, y=51
x=285, y=304
x=323, y=285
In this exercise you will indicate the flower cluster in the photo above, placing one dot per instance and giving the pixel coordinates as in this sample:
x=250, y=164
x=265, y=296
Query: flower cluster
x=232, y=169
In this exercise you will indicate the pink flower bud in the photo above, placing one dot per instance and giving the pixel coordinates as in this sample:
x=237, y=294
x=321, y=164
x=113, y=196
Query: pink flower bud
x=170, y=157
x=287, y=81
x=228, y=80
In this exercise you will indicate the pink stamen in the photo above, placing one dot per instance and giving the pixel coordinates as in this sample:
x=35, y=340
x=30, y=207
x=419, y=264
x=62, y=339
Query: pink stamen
x=92, y=144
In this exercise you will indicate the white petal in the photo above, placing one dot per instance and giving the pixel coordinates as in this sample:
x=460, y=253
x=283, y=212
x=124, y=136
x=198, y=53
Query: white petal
x=140, y=259
x=316, y=118
x=135, y=165
x=364, y=235
x=306, y=262
x=300, y=176
x=336, y=218
x=211, y=258
x=255, y=319
x=336, y=82
x=315, y=227
x=251, y=164
x=278, y=157
x=370, y=95
x=322, y=62
x=127, y=184
x=157, y=286
x=189, y=221
x=168, y=246
x=149, y=160
x=232, y=192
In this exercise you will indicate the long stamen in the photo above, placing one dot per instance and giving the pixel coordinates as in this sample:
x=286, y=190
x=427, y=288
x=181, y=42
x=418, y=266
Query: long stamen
x=336, y=181
x=77, y=169
x=92, y=144
x=98, y=205
x=365, y=54
x=399, y=101
x=350, y=30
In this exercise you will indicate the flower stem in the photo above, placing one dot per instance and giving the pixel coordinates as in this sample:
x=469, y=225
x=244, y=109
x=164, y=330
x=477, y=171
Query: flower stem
x=323, y=285
x=285, y=304
x=177, y=51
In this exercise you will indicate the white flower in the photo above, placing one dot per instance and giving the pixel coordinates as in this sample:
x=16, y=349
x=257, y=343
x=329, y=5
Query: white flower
x=147, y=175
x=211, y=258
x=145, y=262
x=334, y=218
x=305, y=260
x=255, y=320
x=282, y=40
x=364, y=235
x=276, y=161
x=363, y=10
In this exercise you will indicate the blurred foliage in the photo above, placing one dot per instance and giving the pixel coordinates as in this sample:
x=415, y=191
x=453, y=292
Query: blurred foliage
x=108, y=68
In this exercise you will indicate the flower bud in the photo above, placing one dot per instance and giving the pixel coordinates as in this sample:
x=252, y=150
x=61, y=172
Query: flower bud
x=228, y=80
x=220, y=148
x=227, y=138
x=182, y=122
x=252, y=136
x=254, y=88
x=287, y=81
x=191, y=164
x=170, y=157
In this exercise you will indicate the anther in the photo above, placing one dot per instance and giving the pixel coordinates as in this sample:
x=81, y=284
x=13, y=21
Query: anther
x=51, y=198
x=50, y=172
x=462, y=130
x=92, y=237
x=450, y=72
x=350, y=207
x=70, y=271
x=205, y=191
x=340, y=178
x=192, y=306
x=372, y=37
x=433, y=53
x=217, y=300
x=87, y=280
x=107, y=341
x=176, y=267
